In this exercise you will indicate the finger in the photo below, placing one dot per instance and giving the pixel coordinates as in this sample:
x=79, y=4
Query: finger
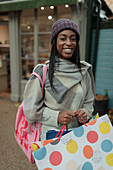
x=70, y=116
x=70, y=119
x=66, y=122
x=81, y=120
x=81, y=113
x=76, y=112
x=82, y=116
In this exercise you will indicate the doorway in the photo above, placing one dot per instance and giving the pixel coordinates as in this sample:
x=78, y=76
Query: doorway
x=5, y=83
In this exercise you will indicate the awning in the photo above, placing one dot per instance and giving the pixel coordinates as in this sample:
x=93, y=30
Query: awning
x=14, y=5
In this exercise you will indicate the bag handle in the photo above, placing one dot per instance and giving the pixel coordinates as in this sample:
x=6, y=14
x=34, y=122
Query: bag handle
x=62, y=130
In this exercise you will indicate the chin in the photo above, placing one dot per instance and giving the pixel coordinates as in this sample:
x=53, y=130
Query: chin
x=67, y=57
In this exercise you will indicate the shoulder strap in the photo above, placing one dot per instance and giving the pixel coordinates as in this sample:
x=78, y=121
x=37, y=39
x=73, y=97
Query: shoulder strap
x=44, y=76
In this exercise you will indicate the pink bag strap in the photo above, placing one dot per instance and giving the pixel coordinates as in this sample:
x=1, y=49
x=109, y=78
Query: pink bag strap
x=44, y=76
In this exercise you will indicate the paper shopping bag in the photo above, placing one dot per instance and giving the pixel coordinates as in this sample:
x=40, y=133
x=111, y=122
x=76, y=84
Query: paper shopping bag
x=38, y=144
x=86, y=148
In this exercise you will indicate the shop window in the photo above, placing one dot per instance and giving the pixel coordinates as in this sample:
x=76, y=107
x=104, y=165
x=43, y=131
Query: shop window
x=45, y=18
x=5, y=82
x=27, y=42
x=64, y=11
x=45, y=22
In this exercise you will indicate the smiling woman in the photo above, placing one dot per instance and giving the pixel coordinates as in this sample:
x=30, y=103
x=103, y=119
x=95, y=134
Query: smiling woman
x=66, y=44
x=68, y=91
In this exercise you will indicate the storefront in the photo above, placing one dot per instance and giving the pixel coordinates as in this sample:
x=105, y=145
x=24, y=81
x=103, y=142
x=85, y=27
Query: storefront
x=29, y=25
x=4, y=53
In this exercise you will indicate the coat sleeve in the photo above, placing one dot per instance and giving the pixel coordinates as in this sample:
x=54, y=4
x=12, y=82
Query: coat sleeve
x=33, y=102
x=50, y=117
x=34, y=108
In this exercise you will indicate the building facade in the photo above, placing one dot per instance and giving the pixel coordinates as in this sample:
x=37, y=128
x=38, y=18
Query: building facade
x=29, y=29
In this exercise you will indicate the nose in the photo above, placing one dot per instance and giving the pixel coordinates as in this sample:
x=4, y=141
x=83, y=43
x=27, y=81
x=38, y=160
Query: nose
x=68, y=41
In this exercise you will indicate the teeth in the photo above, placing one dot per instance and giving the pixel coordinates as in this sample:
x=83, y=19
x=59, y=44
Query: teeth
x=67, y=50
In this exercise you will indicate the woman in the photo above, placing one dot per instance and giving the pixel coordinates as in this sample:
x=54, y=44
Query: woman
x=68, y=97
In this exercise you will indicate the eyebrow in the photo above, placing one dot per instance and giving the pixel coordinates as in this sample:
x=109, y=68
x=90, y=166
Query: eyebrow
x=66, y=35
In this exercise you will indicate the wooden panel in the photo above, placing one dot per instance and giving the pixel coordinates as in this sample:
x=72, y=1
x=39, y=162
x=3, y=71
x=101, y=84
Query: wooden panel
x=104, y=65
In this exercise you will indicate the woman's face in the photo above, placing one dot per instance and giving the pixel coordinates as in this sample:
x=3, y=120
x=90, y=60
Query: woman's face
x=66, y=44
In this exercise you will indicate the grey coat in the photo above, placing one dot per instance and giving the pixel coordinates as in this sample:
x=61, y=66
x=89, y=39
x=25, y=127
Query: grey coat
x=73, y=91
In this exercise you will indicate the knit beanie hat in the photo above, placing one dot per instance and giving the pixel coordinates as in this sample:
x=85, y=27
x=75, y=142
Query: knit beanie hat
x=64, y=24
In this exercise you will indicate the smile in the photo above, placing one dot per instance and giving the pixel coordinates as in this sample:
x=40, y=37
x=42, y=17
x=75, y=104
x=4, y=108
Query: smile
x=68, y=50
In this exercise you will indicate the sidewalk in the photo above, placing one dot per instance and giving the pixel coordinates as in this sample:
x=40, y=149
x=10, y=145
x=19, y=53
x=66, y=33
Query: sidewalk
x=11, y=156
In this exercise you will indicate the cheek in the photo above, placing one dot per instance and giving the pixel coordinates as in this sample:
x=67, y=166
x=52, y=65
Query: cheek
x=74, y=44
x=59, y=46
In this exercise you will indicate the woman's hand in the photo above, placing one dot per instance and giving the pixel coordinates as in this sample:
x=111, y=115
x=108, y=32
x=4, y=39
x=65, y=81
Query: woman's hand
x=81, y=115
x=66, y=117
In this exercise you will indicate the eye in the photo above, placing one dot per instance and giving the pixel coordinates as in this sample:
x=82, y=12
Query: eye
x=62, y=38
x=73, y=38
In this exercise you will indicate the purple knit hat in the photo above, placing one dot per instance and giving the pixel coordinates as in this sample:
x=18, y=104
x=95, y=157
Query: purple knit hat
x=63, y=24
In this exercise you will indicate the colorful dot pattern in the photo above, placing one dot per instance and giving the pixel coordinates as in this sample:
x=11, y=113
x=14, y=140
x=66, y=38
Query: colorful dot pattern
x=55, y=158
x=87, y=148
x=92, y=136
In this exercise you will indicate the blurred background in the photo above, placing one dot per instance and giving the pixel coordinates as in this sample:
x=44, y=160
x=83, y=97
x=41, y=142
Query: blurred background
x=25, y=30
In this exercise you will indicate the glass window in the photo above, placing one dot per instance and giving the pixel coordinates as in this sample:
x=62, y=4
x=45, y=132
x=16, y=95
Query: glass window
x=4, y=53
x=45, y=18
x=64, y=11
x=27, y=42
x=45, y=22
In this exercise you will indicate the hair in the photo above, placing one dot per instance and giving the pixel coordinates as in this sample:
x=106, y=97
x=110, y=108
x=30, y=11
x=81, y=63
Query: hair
x=54, y=60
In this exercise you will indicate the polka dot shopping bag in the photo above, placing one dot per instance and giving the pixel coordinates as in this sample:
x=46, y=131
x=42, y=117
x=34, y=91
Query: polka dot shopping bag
x=85, y=148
